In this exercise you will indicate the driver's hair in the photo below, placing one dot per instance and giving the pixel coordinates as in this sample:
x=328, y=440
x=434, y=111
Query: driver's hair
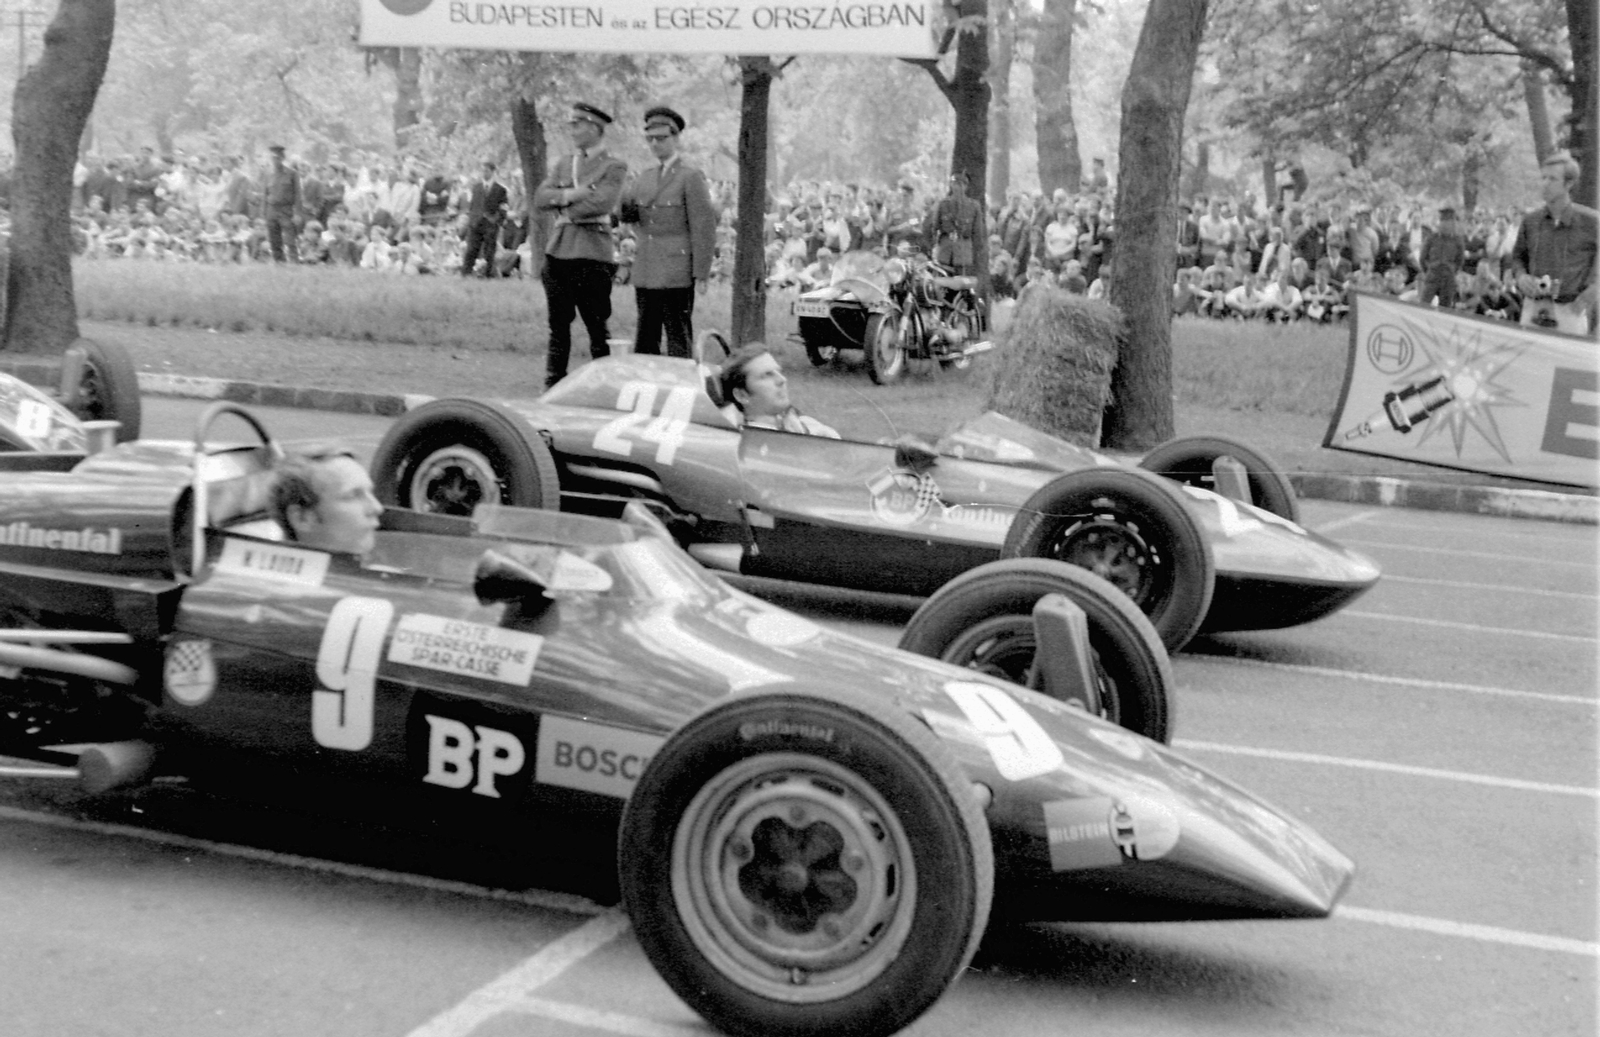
x=294, y=484
x=733, y=370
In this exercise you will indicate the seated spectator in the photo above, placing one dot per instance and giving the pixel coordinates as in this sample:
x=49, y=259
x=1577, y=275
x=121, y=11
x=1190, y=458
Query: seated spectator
x=1211, y=291
x=1244, y=302
x=820, y=273
x=1324, y=300
x=1366, y=279
x=1184, y=299
x=1072, y=278
x=1282, y=298
x=1397, y=283
x=378, y=253
x=1491, y=296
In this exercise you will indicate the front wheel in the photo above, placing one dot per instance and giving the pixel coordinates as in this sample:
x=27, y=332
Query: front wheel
x=885, y=352
x=983, y=620
x=108, y=388
x=1189, y=461
x=829, y=870
x=817, y=335
x=449, y=456
x=1129, y=528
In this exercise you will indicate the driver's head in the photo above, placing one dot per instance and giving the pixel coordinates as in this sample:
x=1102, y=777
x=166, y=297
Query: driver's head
x=323, y=498
x=753, y=381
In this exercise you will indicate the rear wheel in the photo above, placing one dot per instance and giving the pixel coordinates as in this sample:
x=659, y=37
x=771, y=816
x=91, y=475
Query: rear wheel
x=983, y=620
x=1189, y=461
x=449, y=456
x=885, y=352
x=829, y=869
x=1129, y=528
x=817, y=333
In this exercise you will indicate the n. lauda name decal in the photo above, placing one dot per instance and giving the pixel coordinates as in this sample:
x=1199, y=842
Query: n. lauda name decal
x=94, y=541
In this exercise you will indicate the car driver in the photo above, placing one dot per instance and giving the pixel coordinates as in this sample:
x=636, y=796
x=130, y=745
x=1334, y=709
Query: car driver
x=323, y=498
x=753, y=382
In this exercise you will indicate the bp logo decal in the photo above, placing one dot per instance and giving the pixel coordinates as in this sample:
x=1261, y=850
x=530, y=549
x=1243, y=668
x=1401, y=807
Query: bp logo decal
x=901, y=498
x=404, y=7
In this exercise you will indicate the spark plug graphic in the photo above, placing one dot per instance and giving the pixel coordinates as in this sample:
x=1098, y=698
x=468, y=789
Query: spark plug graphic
x=1405, y=408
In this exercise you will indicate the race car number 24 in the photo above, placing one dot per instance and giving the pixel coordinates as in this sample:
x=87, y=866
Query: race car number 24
x=347, y=672
x=665, y=429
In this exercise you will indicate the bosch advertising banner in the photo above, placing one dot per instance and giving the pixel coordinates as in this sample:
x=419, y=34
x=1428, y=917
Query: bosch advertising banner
x=1482, y=395
x=897, y=28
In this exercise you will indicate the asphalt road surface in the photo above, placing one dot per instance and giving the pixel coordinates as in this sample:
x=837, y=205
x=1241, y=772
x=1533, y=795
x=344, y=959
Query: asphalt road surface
x=1442, y=732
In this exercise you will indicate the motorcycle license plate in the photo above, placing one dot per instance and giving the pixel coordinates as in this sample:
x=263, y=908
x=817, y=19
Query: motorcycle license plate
x=810, y=308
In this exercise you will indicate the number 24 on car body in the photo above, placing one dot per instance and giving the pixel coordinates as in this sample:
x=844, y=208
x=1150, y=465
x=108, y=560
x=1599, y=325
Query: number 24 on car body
x=665, y=429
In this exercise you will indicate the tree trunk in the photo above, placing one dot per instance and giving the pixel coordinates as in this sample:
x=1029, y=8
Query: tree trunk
x=1055, y=134
x=1005, y=45
x=1154, y=100
x=969, y=95
x=408, y=92
x=534, y=151
x=1538, y=110
x=1471, y=169
x=1585, y=97
x=749, y=256
x=51, y=107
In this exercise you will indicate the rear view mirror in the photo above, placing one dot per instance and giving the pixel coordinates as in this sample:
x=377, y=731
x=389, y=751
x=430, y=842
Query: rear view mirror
x=500, y=577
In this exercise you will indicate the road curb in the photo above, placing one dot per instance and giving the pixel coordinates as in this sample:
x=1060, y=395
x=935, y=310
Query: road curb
x=1378, y=490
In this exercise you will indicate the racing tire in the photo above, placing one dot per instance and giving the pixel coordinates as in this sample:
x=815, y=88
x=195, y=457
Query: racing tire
x=885, y=352
x=983, y=620
x=1188, y=461
x=1128, y=527
x=829, y=867
x=449, y=456
x=108, y=388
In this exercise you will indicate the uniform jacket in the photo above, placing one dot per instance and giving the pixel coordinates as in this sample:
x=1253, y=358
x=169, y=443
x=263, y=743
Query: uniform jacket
x=582, y=230
x=676, y=226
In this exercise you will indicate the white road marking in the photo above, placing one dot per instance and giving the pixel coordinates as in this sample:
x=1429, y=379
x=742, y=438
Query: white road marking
x=1476, y=628
x=1349, y=520
x=1391, y=768
x=1497, y=588
x=564, y=902
x=1459, y=553
x=608, y=1022
x=1384, y=678
x=514, y=987
x=1466, y=930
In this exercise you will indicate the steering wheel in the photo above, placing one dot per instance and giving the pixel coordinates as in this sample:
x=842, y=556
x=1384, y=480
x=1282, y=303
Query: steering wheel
x=201, y=509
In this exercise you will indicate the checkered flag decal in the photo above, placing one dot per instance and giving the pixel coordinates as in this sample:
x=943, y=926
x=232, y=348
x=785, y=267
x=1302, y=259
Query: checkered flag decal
x=191, y=675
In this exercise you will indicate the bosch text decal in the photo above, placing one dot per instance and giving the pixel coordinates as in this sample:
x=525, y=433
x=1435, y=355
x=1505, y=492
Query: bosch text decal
x=577, y=754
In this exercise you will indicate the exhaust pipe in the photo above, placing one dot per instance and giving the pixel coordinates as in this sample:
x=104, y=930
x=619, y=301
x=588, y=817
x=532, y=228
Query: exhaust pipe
x=32, y=657
x=104, y=767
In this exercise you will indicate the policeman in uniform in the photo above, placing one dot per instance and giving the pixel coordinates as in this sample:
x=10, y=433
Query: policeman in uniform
x=670, y=207
x=580, y=262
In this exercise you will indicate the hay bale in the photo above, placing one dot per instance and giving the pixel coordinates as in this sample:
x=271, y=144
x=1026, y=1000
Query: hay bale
x=1055, y=373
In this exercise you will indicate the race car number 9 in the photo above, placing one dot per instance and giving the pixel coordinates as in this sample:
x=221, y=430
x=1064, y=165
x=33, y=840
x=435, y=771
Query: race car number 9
x=1019, y=747
x=664, y=429
x=347, y=673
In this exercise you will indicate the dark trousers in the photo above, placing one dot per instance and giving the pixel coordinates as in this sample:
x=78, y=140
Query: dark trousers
x=481, y=239
x=573, y=288
x=665, y=309
x=282, y=237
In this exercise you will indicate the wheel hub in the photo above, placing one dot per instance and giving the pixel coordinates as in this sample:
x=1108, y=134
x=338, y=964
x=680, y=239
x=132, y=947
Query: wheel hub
x=454, y=481
x=796, y=875
x=1113, y=552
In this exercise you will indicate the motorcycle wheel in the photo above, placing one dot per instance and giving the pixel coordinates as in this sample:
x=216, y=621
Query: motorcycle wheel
x=963, y=316
x=886, y=353
x=915, y=340
x=815, y=334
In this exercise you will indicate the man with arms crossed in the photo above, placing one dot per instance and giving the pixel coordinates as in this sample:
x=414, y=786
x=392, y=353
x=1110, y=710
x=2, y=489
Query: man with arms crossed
x=579, y=260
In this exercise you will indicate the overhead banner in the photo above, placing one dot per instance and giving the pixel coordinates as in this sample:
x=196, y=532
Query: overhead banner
x=884, y=27
x=1481, y=395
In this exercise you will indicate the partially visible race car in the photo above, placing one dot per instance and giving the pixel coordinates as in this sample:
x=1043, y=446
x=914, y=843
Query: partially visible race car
x=905, y=313
x=903, y=517
x=98, y=384
x=812, y=829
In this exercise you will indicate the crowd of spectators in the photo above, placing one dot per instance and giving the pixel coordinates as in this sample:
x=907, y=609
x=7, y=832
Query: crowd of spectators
x=1293, y=261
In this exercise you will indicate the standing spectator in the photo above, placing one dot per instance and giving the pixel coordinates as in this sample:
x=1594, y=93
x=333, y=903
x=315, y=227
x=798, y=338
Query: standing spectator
x=1557, y=242
x=1275, y=254
x=236, y=196
x=1215, y=233
x=143, y=180
x=1364, y=240
x=1443, y=256
x=312, y=189
x=485, y=209
x=281, y=203
x=903, y=218
x=433, y=206
x=99, y=184
x=580, y=259
x=955, y=227
x=1188, y=238
x=676, y=230
x=1097, y=182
